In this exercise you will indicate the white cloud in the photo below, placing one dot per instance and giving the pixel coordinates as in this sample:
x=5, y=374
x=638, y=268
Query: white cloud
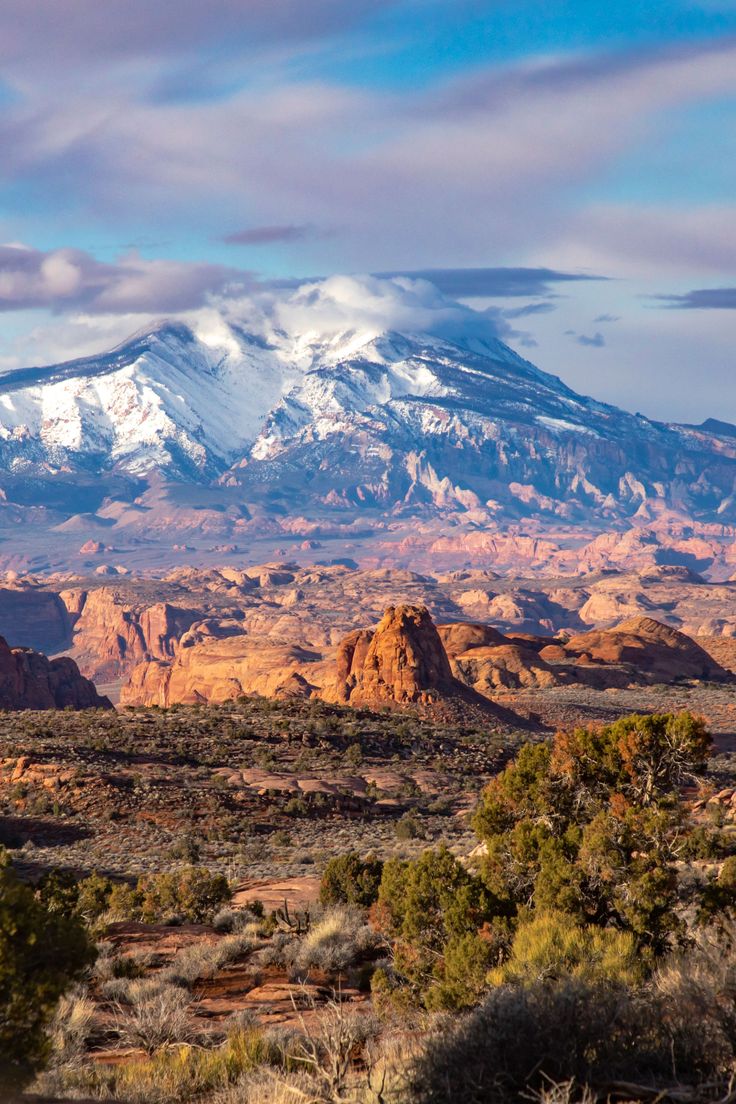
x=367, y=303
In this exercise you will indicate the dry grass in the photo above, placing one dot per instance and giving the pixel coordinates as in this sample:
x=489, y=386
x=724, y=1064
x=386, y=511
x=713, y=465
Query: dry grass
x=156, y=1016
x=70, y=1029
x=176, y=1075
x=203, y=960
x=335, y=941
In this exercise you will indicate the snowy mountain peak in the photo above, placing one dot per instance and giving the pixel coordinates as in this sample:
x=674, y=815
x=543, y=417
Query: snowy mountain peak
x=194, y=397
x=353, y=392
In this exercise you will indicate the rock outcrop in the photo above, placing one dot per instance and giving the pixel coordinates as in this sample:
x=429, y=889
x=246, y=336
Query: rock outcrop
x=649, y=650
x=110, y=636
x=638, y=650
x=402, y=661
x=29, y=680
x=407, y=660
x=486, y=660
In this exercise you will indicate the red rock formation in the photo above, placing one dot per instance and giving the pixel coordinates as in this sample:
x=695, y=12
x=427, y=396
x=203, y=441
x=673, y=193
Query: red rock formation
x=507, y=666
x=462, y=636
x=401, y=660
x=110, y=636
x=29, y=680
x=485, y=660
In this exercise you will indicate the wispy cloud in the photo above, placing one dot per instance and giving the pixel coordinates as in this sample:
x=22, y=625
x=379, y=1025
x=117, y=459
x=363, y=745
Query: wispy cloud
x=64, y=279
x=591, y=341
x=32, y=33
x=469, y=283
x=268, y=235
x=596, y=341
x=643, y=239
x=529, y=309
x=381, y=164
x=702, y=299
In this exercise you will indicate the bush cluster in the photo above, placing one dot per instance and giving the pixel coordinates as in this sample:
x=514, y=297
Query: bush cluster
x=586, y=842
x=593, y=824
x=192, y=894
x=673, y=1038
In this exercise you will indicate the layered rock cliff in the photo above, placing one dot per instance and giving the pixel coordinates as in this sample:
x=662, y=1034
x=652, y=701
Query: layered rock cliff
x=220, y=669
x=109, y=635
x=29, y=680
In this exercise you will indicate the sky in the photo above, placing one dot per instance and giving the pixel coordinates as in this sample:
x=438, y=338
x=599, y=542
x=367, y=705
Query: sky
x=566, y=167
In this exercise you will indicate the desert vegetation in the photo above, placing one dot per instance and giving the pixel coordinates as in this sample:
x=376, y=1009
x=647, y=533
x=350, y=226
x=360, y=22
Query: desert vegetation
x=582, y=950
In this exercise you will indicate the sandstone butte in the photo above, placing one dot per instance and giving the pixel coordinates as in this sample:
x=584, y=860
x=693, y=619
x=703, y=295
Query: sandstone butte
x=29, y=680
x=401, y=660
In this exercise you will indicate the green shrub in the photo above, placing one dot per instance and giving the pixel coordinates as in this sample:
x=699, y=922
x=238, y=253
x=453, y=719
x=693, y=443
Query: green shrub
x=194, y=894
x=593, y=824
x=409, y=828
x=464, y=976
x=41, y=953
x=93, y=898
x=727, y=875
x=58, y=891
x=433, y=908
x=350, y=880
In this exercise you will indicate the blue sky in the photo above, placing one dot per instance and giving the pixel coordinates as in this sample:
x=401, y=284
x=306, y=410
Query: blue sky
x=158, y=157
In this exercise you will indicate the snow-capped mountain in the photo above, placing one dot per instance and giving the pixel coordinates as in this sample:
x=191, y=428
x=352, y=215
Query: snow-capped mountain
x=354, y=393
